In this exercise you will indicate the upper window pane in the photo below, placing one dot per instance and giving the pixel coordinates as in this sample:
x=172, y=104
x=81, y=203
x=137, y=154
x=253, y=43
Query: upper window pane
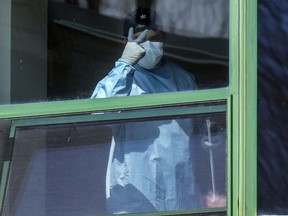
x=84, y=41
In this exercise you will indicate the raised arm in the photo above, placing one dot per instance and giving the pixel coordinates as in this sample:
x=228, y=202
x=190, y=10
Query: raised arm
x=119, y=80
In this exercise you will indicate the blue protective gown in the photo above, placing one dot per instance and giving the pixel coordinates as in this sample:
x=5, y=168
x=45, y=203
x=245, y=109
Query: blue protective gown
x=124, y=80
x=150, y=166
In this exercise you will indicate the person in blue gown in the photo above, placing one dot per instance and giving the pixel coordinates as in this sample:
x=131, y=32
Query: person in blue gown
x=150, y=165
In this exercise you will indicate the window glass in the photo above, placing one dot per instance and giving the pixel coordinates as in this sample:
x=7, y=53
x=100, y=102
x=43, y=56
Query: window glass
x=61, y=49
x=272, y=108
x=96, y=168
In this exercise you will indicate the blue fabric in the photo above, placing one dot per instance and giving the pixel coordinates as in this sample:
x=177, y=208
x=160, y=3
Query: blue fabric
x=150, y=157
x=125, y=80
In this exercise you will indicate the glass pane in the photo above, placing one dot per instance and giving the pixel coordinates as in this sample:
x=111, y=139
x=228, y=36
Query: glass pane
x=272, y=108
x=60, y=49
x=144, y=165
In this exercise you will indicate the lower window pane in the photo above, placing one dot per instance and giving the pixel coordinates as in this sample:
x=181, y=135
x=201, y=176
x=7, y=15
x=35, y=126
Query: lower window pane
x=149, y=165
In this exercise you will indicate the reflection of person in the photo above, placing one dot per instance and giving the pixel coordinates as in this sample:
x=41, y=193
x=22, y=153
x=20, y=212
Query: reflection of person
x=150, y=166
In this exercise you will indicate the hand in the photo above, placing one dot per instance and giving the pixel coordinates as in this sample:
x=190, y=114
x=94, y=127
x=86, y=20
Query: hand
x=133, y=52
x=215, y=200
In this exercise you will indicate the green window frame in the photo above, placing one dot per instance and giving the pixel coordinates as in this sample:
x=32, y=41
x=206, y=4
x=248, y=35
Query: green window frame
x=240, y=97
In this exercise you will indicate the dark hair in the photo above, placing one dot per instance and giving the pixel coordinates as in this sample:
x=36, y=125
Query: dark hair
x=142, y=16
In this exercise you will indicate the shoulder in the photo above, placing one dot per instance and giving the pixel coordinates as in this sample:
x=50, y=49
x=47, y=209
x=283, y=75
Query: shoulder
x=180, y=74
x=177, y=69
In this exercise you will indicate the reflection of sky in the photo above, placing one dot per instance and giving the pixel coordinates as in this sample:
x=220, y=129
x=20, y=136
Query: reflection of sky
x=205, y=18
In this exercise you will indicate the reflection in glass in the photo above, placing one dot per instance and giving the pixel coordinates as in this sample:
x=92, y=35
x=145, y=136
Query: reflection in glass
x=68, y=57
x=166, y=164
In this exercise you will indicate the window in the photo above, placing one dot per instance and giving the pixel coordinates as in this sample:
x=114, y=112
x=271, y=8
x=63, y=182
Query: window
x=229, y=100
x=68, y=169
x=65, y=59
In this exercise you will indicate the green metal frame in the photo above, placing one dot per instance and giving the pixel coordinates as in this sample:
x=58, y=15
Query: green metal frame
x=119, y=115
x=241, y=108
x=247, y=105
x=3, y=183
x=88, y=106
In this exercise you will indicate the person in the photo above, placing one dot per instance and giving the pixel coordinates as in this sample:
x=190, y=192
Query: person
x=150, y=165
x=141, y=68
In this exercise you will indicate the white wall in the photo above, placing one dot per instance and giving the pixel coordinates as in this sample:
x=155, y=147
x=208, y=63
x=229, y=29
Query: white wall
x=23, y=51
x=29, y=50
x=5, y=54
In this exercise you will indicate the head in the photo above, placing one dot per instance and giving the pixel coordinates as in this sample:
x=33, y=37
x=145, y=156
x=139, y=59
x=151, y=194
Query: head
x=141, y=20
x=144, y=18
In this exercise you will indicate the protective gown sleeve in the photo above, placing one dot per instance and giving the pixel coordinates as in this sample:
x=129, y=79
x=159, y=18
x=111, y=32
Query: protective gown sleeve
x=118, y=82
